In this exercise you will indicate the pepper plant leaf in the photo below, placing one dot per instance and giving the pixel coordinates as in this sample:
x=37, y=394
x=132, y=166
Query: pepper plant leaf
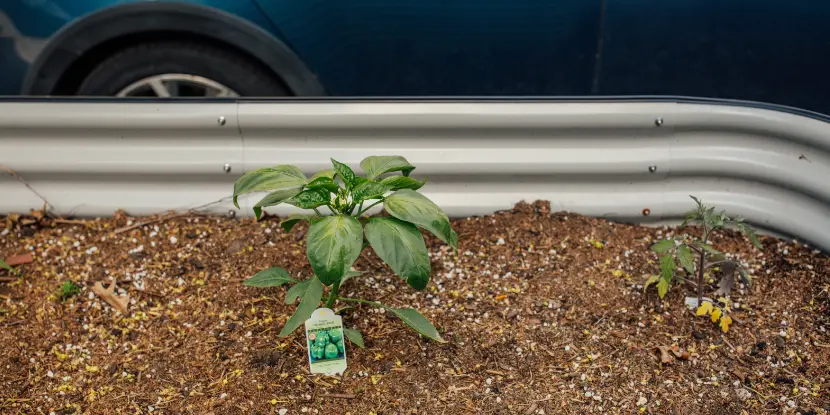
x=271, y=277
x=323, y=173
x=267, y=179
x=294, y=219
x=296, y=291
x=411, y=206
x=375, y=166
x=355, y=337
x=274, y=199
x=418, y=322
x=400, y=245
x=345, y=173
x=312, y=198
x=403, y=182
x=369, y=190
x=334, y=243
x=310, y=299
x=323, y=183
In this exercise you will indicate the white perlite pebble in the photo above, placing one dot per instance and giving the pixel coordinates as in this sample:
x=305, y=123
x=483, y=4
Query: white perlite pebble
x=642, y=401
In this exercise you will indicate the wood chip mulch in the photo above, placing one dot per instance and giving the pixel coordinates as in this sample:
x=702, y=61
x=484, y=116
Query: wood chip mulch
x=544, y=313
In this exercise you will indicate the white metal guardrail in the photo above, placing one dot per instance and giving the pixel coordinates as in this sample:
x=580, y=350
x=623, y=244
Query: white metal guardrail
x=597, y=158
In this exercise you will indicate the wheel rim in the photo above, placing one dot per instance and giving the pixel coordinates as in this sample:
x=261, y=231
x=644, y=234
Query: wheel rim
x=176, y=85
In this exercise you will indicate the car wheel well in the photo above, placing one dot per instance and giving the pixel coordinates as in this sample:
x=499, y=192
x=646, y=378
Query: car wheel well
x=74, y=76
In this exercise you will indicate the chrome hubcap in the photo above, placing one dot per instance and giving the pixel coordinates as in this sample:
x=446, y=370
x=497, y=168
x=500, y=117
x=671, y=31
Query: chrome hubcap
x=176, y=85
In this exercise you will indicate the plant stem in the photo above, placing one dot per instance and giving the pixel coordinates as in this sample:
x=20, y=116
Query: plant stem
x=360, y=212
x=700, y=271
x=357, y=300
x=701, y=267
x=317, y=212
x=333, y=294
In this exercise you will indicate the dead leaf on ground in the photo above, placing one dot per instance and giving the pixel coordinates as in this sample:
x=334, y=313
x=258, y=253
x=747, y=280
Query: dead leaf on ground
x=666, y=353
x=663, y=352
x=19, y=259
x=108, y=294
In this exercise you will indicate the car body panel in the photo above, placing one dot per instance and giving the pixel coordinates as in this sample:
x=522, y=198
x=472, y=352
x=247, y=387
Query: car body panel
x=766, y=50
x=435, y=47
x=770, y=50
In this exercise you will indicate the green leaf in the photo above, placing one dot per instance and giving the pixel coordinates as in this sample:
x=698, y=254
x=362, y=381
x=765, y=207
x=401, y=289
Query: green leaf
x=268, y=178
x=368, y=190
x=334, y=243
x=297, y=290
x=7, y=267
x=708, y=248
x=310, y=299
x=374, y=166
x=355, y=337
x=750, y=233
x=411, y=206
x=323, y=173
x=663, y=246
x=403, y=182
x=651, y=280
x=662, y=288
x=684, y=256
x=271, y=277
x=699, y=203
x=275, y=198
x=346, y=174
x=689, y=217
x=667, y=267
x=400, y=245
x=418, y=322
x=293, y=219
x=324, y=183
x=745, y=277
x=310, y=199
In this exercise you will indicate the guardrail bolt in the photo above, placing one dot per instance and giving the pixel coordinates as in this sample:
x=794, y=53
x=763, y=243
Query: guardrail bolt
x=646, y=212
x=226, y=168
x=231, y=213
x=658, y=122
x=221, y=120
x=651, y=169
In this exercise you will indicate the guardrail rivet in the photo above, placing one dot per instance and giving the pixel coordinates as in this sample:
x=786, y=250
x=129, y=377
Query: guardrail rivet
x=221, y=120
x=658, y=122
x=226, y=168
x=651, y=169
x=231, y=213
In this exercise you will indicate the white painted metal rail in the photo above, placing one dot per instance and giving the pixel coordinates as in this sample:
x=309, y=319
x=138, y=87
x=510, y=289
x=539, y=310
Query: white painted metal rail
x=598, y=158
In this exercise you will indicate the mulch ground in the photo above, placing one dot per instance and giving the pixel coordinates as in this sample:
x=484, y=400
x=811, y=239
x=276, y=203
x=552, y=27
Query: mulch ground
x=544, y=313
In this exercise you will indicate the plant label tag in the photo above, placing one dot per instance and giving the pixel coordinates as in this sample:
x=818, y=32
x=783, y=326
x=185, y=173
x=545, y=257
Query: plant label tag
x=326, y=343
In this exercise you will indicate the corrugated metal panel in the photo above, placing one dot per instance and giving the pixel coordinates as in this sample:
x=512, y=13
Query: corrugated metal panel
x=601, y=159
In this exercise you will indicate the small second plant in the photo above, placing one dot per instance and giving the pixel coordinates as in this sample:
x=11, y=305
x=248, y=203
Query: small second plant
x=339, y=231
x=695, y=255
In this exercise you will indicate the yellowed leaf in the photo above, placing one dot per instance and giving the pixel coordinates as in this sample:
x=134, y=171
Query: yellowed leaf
x=704, y=309
x=725, y=321
x=716, y=313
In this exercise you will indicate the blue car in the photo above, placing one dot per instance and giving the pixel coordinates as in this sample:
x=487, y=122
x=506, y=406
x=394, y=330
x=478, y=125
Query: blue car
x=772, y=51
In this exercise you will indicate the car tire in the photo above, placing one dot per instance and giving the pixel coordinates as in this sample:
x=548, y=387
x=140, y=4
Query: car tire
x=241, y=74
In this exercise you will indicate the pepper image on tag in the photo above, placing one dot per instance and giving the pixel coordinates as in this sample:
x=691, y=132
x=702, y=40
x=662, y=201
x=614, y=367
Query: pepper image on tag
x=326, y=345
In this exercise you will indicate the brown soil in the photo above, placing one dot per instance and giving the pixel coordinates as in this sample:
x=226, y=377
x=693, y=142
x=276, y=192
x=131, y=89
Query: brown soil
x=544, y=313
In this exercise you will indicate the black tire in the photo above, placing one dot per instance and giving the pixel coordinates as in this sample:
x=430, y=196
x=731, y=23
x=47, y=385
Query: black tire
x=238, y=72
